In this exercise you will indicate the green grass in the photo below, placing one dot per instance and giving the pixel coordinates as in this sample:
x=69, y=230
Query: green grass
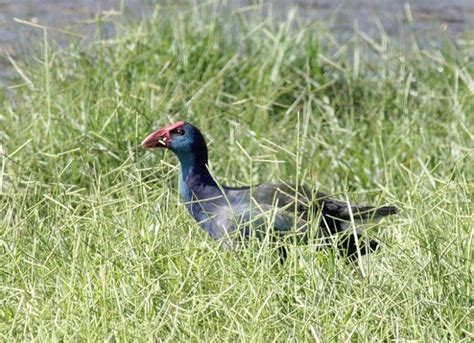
x=85, y=254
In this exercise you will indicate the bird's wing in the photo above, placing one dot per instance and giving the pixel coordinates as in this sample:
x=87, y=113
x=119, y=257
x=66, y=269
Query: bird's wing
x=335, y=215
x=261, y=220
x=286, y=196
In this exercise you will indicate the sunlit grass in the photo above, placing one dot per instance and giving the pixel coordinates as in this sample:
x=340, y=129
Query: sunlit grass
x=87, y=254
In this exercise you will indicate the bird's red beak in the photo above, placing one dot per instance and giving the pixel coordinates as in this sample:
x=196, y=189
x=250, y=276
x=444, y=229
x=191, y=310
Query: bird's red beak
x=158, y=139
x=161, y=138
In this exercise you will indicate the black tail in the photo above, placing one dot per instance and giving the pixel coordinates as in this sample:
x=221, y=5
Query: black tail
x=370, y=212
x=385, y=211
x=338, y=209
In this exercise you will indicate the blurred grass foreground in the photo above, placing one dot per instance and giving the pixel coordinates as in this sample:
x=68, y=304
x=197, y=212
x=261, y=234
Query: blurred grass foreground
x=86, y=254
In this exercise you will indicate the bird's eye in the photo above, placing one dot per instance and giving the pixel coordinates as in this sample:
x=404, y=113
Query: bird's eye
x=179, y=132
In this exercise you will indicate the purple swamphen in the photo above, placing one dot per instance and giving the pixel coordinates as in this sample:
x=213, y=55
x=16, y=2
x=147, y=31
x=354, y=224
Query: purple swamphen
x=229, y=213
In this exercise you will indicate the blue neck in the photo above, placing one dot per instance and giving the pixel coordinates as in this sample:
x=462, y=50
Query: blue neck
x=193, y=176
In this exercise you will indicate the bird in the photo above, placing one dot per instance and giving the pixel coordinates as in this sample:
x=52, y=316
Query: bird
x=282, y=211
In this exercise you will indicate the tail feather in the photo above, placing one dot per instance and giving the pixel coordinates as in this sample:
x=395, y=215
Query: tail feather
x=340, y=210
x=368, y=212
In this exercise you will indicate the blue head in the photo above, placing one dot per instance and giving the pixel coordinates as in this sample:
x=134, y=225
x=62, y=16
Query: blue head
x=183, y=139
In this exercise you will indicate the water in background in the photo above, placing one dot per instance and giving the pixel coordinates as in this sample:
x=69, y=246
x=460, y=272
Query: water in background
x=430, y=19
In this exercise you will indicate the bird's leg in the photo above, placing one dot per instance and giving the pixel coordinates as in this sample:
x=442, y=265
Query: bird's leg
x=283, y=253
x=347, y=245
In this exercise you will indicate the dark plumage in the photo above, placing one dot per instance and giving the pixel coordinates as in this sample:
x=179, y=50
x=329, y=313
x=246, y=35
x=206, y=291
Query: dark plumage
x=227, y=212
